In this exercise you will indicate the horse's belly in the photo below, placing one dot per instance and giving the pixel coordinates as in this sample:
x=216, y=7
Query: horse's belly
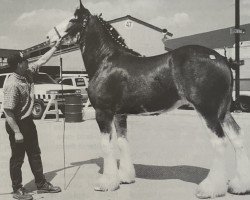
x=149, y=108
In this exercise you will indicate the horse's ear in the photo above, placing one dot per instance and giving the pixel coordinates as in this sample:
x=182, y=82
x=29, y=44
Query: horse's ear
x=81, y=6
x=83, y=9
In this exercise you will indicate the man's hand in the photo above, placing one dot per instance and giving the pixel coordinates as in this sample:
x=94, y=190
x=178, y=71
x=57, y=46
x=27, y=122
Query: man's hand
x=18, y=137
x=10, y=117
x=58, y=42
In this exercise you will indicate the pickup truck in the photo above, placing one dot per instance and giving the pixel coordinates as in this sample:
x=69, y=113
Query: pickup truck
x=244, y=98
x=80, y=81
x=45, y=87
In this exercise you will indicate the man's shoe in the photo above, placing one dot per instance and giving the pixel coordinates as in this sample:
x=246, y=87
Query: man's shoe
x=48, y=188
x=21, y=194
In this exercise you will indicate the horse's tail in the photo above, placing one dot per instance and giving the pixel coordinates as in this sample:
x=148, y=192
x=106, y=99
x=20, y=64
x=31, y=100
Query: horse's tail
x=226, y=105
x=231, y=63
x=232, y=66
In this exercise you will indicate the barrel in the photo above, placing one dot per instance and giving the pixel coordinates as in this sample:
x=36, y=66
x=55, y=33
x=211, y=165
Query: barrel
x=73, y=109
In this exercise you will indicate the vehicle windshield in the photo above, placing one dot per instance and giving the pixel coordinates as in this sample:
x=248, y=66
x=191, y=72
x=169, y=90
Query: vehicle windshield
x=80, y=82
x=244, y=85
x=43, y=79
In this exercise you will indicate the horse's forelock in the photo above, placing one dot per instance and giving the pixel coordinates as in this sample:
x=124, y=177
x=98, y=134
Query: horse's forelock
x=77, y=13
x=81, y=13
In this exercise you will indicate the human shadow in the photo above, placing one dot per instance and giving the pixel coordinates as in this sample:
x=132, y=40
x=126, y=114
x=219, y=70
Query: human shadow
x=31, y=186
x=185, y=173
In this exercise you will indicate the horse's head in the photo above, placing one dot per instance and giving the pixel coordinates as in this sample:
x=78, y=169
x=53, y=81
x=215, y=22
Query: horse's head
x=70, y=28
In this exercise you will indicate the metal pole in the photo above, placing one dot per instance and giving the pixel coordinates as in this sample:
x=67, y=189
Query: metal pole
x=237, y=53
x=61, y=67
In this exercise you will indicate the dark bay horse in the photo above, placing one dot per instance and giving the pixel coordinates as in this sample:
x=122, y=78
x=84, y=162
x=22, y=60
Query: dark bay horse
x=122, y=83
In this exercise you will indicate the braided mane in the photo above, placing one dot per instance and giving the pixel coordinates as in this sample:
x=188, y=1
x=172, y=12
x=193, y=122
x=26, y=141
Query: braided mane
x=116, y=36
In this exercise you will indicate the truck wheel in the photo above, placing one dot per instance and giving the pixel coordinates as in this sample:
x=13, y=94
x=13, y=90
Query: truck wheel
x=38, y=109
x=62, y=108
x=244, y=105
x=232, y=107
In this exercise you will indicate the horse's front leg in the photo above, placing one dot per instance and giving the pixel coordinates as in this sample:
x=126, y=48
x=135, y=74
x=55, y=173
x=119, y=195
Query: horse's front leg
x=126, y=168
x=110, y=179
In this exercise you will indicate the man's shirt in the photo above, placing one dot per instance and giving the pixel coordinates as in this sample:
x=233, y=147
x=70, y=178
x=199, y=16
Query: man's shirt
x=19, y=94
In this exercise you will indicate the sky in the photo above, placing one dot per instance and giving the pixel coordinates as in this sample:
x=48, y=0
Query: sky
x=24, y=23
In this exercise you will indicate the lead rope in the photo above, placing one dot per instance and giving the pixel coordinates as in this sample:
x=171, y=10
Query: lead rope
x=64, y=150
x=64, y=127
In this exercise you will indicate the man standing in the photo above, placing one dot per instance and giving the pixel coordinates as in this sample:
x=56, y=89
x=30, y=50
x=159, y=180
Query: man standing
x=18, y=105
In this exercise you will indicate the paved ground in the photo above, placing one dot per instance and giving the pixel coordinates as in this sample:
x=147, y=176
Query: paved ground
x=171, y=153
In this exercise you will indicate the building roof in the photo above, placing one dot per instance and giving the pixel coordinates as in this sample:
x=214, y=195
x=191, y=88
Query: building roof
x=5, y=53
x=128, y=17
x=212, y=39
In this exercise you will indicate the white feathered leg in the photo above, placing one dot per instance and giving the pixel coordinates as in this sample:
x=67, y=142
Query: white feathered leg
x=126, y=169
x=110, y=179
x=215, y=183
x=240, y=184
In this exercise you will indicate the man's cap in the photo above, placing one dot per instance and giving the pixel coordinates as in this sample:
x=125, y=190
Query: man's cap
x=15, y=59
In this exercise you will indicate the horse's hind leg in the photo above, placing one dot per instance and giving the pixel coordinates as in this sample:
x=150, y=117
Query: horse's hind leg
x=215, y=184
x=126, y=168
x=240, y=184
x=110, y=179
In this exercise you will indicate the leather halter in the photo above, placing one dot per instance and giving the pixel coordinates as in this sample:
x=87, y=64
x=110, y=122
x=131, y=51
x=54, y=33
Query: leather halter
x=84, y=25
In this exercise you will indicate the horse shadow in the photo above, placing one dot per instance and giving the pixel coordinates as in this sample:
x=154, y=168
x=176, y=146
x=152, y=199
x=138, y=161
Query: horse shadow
x=185, y=173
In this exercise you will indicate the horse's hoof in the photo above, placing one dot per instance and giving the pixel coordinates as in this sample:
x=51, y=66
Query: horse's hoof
x=126, y=177
x=107, y=183
x=201, y=195
x=239, y=187
x=101, y=189
x=127, y=182
x=208, y=189
x=235, y=192
x=205, y=195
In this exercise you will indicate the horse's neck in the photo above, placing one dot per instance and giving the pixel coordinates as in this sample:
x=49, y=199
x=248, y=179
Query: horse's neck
x=91, y=65
x=97, y=49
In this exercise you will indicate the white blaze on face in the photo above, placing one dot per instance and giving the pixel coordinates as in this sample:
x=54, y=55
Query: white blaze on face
x=53, y=36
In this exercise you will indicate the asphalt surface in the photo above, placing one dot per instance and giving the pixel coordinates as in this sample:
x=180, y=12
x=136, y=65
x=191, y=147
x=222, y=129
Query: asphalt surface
x=171, y=153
